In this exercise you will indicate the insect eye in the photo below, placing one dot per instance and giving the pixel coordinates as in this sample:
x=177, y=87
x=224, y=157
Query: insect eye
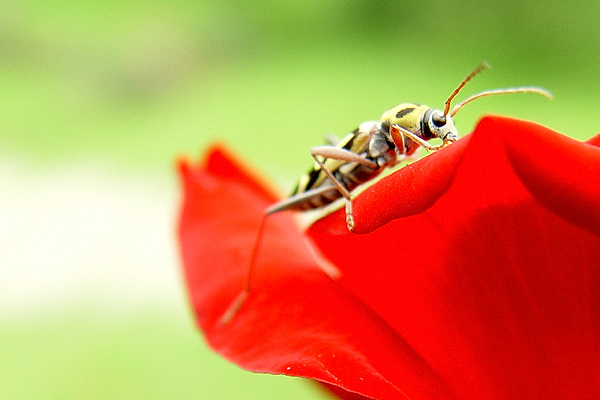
x=438, y=120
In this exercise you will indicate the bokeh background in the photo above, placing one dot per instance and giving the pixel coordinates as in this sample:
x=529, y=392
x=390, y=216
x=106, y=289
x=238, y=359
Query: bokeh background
x=99, y=98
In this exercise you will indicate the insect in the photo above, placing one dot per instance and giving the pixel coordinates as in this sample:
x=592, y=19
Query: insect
x=364, y=153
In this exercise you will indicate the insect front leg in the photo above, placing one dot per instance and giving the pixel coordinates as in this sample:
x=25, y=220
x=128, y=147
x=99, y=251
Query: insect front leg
x=398, y=131
x=337, y=153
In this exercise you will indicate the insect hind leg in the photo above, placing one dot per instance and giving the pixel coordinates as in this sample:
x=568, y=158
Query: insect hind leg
x=331, y=152
x=239, y=300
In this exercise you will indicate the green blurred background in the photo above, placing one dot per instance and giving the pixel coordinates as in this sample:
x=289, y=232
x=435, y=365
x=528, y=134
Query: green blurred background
x=98, y=98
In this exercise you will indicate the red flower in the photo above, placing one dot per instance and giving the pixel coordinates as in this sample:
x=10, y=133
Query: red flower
x=474, y=273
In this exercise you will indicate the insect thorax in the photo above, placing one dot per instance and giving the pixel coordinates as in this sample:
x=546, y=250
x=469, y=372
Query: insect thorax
x=411, y=117
x=406, y=115
x=422, y=121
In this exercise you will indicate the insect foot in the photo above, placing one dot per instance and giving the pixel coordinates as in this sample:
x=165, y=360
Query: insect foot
x=234, y=307
x=349, y=216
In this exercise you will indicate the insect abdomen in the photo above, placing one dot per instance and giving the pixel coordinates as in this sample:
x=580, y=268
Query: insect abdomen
x=327, y=193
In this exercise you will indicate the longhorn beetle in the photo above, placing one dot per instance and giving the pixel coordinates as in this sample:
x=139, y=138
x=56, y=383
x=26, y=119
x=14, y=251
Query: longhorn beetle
x=363, y=154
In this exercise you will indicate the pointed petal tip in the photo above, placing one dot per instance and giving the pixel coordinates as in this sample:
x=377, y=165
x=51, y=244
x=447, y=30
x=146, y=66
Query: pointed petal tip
x=594, y=141
x=183, y=166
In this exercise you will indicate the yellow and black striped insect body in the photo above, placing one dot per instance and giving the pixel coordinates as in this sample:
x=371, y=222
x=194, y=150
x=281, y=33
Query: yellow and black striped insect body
x=364, y=153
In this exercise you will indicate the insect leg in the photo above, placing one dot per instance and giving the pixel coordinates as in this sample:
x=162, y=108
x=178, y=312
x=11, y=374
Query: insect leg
x=396, y=130
x=284, y=205
x=237, y=303
x=292, y=202
x=337, y=153
x=331, y=152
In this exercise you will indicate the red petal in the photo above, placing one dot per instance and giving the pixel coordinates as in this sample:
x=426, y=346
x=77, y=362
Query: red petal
x=297, y=320
x=412, y=190
x=595, y=141
x=561, y=173
x=494, y=279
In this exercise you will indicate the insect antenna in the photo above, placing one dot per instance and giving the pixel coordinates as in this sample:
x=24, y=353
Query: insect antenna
x=480, y=68
x=525, y=89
